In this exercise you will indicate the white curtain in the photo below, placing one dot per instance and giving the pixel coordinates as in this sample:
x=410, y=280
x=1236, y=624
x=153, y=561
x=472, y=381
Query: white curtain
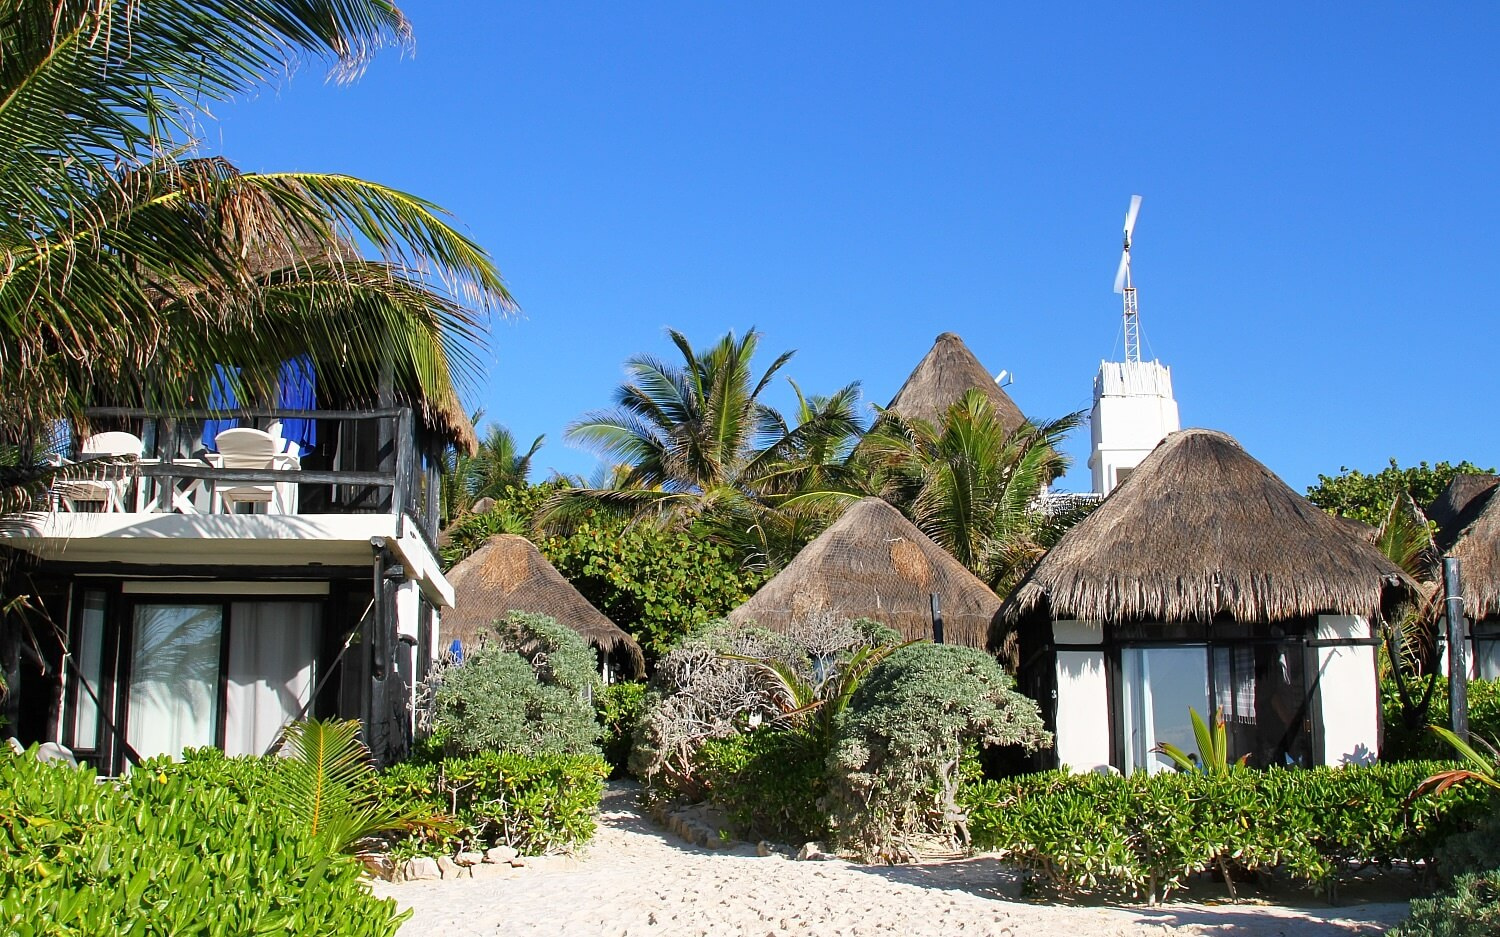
x=174, y=678
x=271, y=650
x=88, y=651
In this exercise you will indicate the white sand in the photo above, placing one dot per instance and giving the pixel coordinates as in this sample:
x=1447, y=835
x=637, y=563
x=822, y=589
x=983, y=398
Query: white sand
x=636, y=879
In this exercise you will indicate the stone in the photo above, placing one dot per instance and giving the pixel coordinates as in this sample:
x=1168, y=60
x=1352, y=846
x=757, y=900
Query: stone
x=500, y=854
x=765, y=848
x=380, y=867
x=450, y=869
x=812, y=852
x=421, y=868
x=518, y=862
x=468, y=858
x=491, y=870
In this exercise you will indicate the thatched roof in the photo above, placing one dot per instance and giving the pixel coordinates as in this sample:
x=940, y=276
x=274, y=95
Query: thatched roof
x=1201, y=529
x=1473, y=535
x=874, y=563
x=508, y=574
x=947, y=372
x=1460, y=505
x=1358, y=528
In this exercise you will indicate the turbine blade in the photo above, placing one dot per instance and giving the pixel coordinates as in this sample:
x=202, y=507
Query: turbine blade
x=1120, y=273
x=1135, y=209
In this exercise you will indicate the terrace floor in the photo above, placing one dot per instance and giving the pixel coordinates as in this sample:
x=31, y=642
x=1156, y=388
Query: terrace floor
x=636, y=879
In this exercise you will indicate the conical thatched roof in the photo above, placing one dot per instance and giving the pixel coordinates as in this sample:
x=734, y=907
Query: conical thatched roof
x=1460, y=505
x=1473, y=535
x=874, y=563
x=947, y=372
x=508, y=574
x=1199, y=529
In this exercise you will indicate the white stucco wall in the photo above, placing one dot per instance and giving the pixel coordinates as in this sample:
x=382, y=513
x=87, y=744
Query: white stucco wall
x=1082, y=698
x=1348, y=697
x=1133, y=411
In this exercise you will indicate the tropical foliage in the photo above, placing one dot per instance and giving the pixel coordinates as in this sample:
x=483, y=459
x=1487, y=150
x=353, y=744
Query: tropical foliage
x=1212, y=756
x=971, y=484
x=701, y=448
x=1366, y=497
x=134, y=265
x=496, y=468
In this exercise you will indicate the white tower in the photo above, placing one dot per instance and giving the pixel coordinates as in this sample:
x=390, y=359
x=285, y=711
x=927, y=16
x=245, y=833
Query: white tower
x=1133, y=404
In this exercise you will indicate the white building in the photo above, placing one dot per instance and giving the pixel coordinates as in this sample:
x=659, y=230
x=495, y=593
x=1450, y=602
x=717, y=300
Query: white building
x=1133, y=411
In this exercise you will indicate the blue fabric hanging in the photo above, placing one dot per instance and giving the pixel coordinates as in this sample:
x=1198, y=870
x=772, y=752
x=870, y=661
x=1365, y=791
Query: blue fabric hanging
x=220, y=397
x=298, y=391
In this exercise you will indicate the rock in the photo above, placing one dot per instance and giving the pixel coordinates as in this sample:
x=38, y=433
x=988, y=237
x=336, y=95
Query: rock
x=765, y=848
x=419, y=869
x=450, y=869
x=518, y=862
x=813, y=852
x=500, y=854
x=483, y=506
x=491, y=870
x=468, y=858
x=380, y=867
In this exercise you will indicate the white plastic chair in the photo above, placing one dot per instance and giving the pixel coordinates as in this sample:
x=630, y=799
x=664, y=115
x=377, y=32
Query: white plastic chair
x=244, y=448
x=109, y=492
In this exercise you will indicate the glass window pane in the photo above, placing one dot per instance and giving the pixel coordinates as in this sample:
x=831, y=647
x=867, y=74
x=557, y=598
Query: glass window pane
x=88, y=653
x=1160, y=685
x=271, y=650
x=174, y=678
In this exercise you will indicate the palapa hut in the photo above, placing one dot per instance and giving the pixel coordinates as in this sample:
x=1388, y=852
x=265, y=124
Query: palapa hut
x=1468, y=518
x=947, y=372
x=874, y=563
x=1203, y=581
x=508, y=574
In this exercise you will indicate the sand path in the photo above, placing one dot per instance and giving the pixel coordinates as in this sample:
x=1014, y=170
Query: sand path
x=637, y=880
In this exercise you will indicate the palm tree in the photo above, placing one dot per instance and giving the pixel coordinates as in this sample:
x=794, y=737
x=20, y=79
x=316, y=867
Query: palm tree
x=970, y=484
x=496, y=465
x=702, y=446
x=132, y=267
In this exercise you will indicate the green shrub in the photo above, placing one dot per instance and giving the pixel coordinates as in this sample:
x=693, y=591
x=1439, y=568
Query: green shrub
x=177, y=849
x=619, y=707
x=535, y=804
x=1414, y=743
x=769, y=783
x=1146, y=834
x=1469, y=908
x=528, y=692
x=897, y=763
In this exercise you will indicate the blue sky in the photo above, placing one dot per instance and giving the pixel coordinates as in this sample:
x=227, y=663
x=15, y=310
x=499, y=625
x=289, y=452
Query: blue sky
x=1316, y=256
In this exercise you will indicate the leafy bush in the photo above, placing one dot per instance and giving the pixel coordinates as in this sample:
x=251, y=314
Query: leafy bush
x=897, y=764
x=534, y=804
x=1404, y=743
x=620, y=707
x=177, y=849
x=1365, y=497
x=768, y=782
x=1470, y=908
x=1146, y=834
x=528, y=692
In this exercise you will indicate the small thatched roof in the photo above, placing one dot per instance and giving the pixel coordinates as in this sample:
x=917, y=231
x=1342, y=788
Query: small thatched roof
x=1473, y=538
x=508, y=574
x=874, y=563
x=1358, y=528
x=947, y=372
x=1460, y=505
x=1200, y=529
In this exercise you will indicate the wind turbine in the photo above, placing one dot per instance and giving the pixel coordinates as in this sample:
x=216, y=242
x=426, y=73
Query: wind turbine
x=1126, y=286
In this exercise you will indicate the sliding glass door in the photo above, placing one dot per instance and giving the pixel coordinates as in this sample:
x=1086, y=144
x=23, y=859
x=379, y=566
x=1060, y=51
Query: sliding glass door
x=173, y=700
x=1159, y=685
x=270, y=677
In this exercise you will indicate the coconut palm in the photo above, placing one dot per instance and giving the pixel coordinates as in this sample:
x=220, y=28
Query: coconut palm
x=703, y=448
x=970, y=484
x=130, y=266
x=496, y=464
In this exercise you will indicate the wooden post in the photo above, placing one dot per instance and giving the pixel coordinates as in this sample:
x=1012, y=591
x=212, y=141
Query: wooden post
x=406, y=454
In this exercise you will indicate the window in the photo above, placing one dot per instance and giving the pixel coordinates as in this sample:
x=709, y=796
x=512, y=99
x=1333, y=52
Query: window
x=1486, y=649
x=1160, y=684
x=173, y=678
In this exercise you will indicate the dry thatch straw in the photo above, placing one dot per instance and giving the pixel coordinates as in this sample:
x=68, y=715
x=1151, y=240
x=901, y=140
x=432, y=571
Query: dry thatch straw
x=1202, y=529
x=1472, y=533
x=1459, y=505
x=508, y=574
x=942, y=377
x=874, y=563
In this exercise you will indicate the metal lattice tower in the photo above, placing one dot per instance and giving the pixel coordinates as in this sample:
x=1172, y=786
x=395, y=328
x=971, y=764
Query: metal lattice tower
x=1124, y=284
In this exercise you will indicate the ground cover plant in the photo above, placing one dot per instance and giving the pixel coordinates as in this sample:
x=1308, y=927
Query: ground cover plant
x=539, y=804
x=1404, y=742
x=203, y=847
x=1145, y=835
